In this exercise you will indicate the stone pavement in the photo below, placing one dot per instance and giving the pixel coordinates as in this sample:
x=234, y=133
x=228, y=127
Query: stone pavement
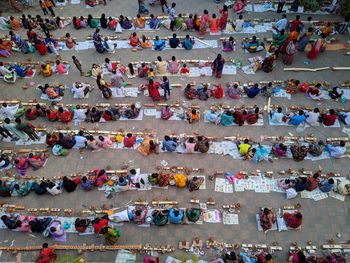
x=322, y=219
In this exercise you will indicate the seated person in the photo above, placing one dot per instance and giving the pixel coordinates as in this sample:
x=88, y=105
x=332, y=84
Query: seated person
x=139, y=22
x=100, y=177
x=54, y=188
x=315, y=92
x=174, y=42
x=161, y=66
x=329, y=119
x=132, y=112
x=99, y=223
x=293, y=220
x=36, y=160
x=194, y=183
x=96, y=70
x=11, y=222
x=313, y=117
x=46, y=70
x=31, y=113
x=300, y=184
x=160, y=218
x=280, y=150
x=39, y=189
x=336, y=151
x=169, y=144
x=104, y=142
x=253, y=91
x=187, y=43
x=21, y=189
x=175, y=216
x=86, y=183
x=284, y=184
x=244, y=147
x=81, y=90
x=129, y=140
x=202, y=145
x=93, y=115
x=267, y=218
x=145, y=42
x=184, y=70
x=312, y=182
x=61, y=68
x=212, y=116
x=66, y=141
x=202, y=92
x=335, y=93
x=254, y=46
x=298, y=152
x=344, y=187
x=81, y=224
x=193, y=214
x=125, y=22
x=260, y=153
x=344, y=117
x=123, y=184
x=192, y=115
x=158, y=44
x=252, y=117
x=64, y=115
x=51, y=139
x=326, y=185
x=276, y=117
x=143, y=70
x=316, y=148
x=154, y=22
x=70, y=185
x=297, y=119
x=166, y=113
x=229, y=45
x=190, y=145
x=139, y=215
x=227, y=118
x=190, y=92
x=234, y=91
x=134, y=40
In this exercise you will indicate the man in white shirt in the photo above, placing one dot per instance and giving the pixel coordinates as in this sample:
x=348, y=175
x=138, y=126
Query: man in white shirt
x=3, y=70
x=79, y=114
x=80, y=140
x=277, y=117
x=281, y=24
x=81, y=90
x=239, y=23
x=54, y=188
x=7, y=111
x=312, y=117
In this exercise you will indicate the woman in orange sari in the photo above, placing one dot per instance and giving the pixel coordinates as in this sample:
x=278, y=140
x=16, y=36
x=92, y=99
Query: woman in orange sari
x=205, y=20
x=14, y=23
x=4, y=52
x=139, y=22
x=46, y=255
x=148, y=146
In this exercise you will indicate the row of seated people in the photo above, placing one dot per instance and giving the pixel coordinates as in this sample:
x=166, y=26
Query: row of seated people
x=312, y=118
x=229, y=117
x=298, y=152
x=47, y=69
x=77, y=113
x=95, y=179
x=159, y=44
x=10, y=72
x=268, y=218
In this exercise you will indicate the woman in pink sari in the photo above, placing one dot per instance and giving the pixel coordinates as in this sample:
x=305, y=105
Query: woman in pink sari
x=205, y=20
x=238, y=7
x=173, y=65
x=317, y=47
x=223, y=18
x=36, y=161
x=22, y=165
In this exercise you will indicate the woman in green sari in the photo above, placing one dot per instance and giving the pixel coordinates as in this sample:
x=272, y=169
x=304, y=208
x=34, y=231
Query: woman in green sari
x=111, y=235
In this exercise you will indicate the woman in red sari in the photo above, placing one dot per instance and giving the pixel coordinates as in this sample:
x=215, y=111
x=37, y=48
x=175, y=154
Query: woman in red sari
x=153, y=90
x=46, y=255
x=134, y=40
x=223, y=18
x=317, y=47
x=204, y=22
x=40, y=46
x=64, y=116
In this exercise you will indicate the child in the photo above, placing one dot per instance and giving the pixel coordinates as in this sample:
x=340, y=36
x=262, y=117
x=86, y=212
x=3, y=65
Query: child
x=77, y=64
x=43, y=7
x=184, y=70
x=192, y=116
x=150, y=73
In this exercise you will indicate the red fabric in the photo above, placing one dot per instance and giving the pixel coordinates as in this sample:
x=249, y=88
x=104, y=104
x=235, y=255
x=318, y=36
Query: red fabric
x=41, y=47
x=329, y=119
x=304, y=87
x=107, y=117
x=52, y=116
x=294, y=25
x=32, y=114
x=153, y=91
x=46, y=255
x=77, y=180
x=239, y=118
x=314, y=91
x=291, y=220
x=65, y=116
x=129, y=142
x=98, y=226
x=218, y=92
x=184, y=70
x=312, y=183
x=252, y=118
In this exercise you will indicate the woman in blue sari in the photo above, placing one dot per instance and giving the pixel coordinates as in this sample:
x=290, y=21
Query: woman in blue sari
x=304, y=39
x=187, y=43
x=260, y=154
x=98, y=41
x=158, y=44
x=21, y=43
x=154, y=23
x=227, y=119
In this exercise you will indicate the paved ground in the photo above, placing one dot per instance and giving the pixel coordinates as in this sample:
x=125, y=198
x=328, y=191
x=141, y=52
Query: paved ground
x=323, y=219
